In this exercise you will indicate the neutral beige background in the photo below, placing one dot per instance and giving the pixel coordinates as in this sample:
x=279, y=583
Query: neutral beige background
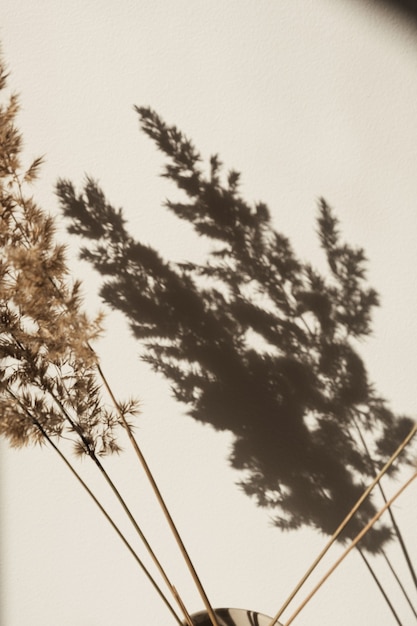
x=306, y=99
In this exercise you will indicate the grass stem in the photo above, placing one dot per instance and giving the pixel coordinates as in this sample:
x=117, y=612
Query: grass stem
x=350, y=547
x=344, y=523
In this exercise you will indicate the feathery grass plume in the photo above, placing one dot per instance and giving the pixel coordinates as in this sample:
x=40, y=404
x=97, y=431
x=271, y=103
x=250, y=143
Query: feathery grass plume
x=47, y=368
x=51, y=381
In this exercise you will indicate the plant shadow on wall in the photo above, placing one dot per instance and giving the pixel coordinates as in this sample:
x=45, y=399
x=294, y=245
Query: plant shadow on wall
x=254, y=341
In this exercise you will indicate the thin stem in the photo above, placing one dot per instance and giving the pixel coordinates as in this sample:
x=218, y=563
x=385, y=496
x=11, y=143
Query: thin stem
x=405, y=594
x=45, y=386
x=350, y=547
x=380, y=587
x=345, y=522
x=91, y=453
x=138, y=529
x=402, y=543
x=161, y=502
x=184, y=609
x=390, y=513
x=99, y=505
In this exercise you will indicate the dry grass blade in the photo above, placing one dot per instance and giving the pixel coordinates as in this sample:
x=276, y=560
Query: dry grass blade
x=344, y=523
x=110, y=520
x=351, y=546
x=163, y=506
